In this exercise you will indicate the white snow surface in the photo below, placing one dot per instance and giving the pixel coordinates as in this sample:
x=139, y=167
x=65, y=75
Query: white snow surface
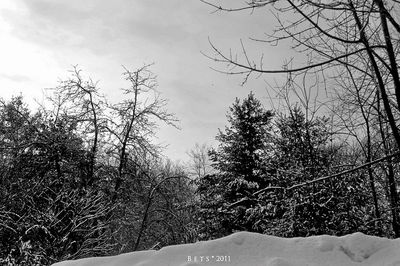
x=253, y=249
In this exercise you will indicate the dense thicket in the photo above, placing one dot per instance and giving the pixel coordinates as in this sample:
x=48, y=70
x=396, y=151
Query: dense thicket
x=81, y=177
x=305, y=151
x=282, y=179
x=347, y=51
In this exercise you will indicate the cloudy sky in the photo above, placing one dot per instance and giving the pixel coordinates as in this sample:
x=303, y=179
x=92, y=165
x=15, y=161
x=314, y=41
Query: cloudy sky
x=41, y=40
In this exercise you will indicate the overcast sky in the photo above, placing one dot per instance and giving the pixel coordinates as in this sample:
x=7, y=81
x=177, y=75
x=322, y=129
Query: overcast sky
x=41, y=39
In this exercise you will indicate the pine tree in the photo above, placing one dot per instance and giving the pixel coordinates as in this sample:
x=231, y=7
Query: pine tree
x=303, y=152
x=226, y=198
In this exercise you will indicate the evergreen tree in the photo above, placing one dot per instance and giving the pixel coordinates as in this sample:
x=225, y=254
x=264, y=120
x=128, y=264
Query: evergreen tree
x=304, y=152
x=240, y=162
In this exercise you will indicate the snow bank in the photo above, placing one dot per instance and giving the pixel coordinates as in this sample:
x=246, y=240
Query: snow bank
x=253, y=249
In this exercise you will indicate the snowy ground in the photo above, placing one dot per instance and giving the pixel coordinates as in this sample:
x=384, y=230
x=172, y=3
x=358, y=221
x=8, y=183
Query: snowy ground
x=252, y=249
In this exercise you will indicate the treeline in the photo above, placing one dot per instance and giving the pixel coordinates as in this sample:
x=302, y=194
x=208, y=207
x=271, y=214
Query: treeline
x=82, y=177
x=331, y=175
x=295, y=175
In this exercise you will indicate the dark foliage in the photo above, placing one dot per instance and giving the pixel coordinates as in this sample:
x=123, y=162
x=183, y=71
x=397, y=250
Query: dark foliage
x=251, y=189
x=304, y=151
x=240, y=161
x=46, y=214
x=82, y=177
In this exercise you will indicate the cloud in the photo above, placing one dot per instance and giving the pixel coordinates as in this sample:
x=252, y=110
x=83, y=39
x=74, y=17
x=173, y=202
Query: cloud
x=15, y=77
x=52, y=24
x=102, y=35
x=99, y=25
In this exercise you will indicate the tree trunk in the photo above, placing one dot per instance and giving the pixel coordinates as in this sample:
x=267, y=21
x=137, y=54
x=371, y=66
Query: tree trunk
x=389, y=176
x=393, y=198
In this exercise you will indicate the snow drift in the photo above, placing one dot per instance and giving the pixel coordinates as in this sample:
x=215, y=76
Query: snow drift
x=253, y=249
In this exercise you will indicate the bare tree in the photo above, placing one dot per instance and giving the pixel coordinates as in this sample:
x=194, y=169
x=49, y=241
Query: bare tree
x=78, y=100
x=199, y=164
x=353, y=47
x=389, y=170
x=329, y=36
x=132, y=122
x=356, y=112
